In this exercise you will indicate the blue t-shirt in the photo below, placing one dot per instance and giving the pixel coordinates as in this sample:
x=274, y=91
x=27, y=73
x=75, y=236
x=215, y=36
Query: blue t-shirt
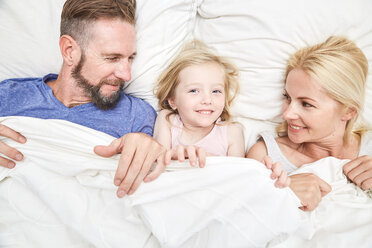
x=32, y=97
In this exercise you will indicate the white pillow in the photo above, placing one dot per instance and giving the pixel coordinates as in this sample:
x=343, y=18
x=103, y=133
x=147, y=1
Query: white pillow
x=162, y=28
x=260, y=35
x=29, y=32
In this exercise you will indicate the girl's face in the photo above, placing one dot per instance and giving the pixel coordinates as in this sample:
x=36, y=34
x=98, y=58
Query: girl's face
x=200, y=95
x=312, y=115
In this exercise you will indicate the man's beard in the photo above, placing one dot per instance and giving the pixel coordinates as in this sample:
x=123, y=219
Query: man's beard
x=93, y=91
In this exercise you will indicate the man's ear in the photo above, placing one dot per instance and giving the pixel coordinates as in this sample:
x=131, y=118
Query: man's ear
x=349, y=113
x=171, y=103
x=70, y=50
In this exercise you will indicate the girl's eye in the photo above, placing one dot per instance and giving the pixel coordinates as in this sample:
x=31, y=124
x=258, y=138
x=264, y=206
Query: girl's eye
x=193, y=91
x=217, y=91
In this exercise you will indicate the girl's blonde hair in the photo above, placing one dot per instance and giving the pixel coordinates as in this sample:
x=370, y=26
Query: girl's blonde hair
x=341, y=68
x=196, y=53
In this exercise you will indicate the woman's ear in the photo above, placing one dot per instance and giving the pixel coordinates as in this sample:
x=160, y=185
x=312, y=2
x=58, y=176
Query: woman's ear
x=171, y=103
x=70, y=50
x=349, y=113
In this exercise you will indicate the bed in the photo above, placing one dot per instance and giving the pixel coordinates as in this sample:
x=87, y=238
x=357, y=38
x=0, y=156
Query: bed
x=258, y=36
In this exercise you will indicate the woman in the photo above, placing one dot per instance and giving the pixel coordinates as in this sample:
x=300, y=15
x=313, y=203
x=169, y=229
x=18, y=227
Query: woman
x=323, y=99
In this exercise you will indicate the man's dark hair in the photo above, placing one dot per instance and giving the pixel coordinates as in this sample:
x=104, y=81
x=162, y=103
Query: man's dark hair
x=78, y=16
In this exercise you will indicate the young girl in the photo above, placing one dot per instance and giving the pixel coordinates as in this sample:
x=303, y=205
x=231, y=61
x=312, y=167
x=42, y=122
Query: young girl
x=195, y=93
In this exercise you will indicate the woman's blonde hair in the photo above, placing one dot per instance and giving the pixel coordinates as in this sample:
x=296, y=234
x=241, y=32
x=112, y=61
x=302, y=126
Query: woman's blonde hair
x=341, y=68
x=196, y=53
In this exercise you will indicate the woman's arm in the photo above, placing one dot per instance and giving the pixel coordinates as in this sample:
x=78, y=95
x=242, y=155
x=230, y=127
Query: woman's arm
x=258, y=151
x=235, y=138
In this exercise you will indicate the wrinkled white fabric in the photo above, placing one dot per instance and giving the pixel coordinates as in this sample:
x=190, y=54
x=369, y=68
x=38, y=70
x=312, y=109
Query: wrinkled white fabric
x=343, y=218
x=62, y=195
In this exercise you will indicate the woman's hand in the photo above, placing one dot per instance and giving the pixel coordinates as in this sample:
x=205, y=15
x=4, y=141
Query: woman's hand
x=277, y=173
x=310, y=189
x=359, y=171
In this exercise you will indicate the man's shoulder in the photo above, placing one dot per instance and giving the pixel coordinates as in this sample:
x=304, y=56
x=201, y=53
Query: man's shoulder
x=27, y=81
x=136, y=102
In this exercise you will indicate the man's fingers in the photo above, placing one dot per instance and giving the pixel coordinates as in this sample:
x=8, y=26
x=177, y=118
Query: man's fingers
x=7, y=163
x=10, y=133
x=140, y=174
x=159, y=168
x=11, y=153
x=110, y=150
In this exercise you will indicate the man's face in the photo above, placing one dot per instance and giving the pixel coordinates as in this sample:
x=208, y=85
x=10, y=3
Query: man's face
x=105, y=64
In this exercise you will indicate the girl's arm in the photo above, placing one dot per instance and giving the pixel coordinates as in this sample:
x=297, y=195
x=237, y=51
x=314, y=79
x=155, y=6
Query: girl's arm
x=162, y=129
x=235, y=138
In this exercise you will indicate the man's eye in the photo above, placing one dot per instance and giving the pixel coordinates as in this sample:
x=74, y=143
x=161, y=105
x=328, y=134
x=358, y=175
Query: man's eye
x=112, y=58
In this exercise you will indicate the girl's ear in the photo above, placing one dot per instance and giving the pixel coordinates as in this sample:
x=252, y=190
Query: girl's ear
x=171, y=103
x=349, y=114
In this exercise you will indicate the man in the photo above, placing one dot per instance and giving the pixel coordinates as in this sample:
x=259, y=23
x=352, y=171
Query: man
x=97, y=44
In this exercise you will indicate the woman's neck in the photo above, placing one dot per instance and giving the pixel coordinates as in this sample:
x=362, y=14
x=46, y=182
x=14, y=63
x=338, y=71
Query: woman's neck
x=336, y=148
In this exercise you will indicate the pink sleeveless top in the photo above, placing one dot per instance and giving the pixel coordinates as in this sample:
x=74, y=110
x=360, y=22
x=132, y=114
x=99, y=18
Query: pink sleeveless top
x=215, y=142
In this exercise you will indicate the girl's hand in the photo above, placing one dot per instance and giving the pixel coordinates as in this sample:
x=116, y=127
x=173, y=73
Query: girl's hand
x=359, y=171
x=277, y=173
x=195, y=154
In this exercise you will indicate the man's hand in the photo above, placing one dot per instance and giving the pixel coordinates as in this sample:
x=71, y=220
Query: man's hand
x=310, y=189
x=138, y=153
x=8, y=151
x=359, y=171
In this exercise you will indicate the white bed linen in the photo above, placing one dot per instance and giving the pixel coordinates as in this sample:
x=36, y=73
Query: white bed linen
x=343, y=219
x=62, y=195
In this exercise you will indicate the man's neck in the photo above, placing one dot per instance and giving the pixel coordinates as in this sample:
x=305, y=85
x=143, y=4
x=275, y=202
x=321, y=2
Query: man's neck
x=66, y=91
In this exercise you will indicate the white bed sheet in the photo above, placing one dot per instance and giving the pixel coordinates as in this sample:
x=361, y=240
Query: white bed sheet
x=62, y=195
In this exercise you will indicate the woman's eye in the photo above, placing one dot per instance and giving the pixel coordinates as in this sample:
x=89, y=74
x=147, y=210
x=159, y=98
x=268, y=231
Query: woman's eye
x=286, y=96
x=307, y=105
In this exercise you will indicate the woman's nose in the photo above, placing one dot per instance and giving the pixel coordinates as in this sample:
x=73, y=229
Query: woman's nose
x=289, y=111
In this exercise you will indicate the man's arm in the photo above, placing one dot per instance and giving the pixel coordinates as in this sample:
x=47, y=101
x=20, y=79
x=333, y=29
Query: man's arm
x=8, y=151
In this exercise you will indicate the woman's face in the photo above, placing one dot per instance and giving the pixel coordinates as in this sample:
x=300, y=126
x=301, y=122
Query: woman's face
x=312, y=115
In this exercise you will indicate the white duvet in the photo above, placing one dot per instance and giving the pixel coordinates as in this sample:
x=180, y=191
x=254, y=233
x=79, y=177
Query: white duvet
x=62, y=195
